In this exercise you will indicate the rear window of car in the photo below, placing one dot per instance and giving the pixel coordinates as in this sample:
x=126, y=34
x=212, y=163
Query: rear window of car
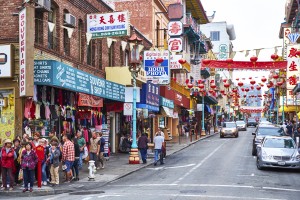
x=279, y=143
x=240, y=122
x=270, y=131
x=251, y=120
x=229, y=125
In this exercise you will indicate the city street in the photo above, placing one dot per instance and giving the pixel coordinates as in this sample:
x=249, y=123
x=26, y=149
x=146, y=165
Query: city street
x=212, y=168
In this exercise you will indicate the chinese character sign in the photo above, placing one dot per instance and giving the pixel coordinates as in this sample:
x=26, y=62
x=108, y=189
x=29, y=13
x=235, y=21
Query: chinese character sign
x=108, y=24
x=175, y=28
x=292, y=70
x=158, y=73
x=175, y=44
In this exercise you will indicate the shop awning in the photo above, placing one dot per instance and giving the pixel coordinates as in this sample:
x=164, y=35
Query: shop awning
x=167, y=111
x=289, y=108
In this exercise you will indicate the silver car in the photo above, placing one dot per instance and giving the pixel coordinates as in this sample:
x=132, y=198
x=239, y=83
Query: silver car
x=241, y=125
x=278, y=152
x=229, y=129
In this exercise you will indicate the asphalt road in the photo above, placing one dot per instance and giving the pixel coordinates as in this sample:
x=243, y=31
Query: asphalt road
x=213, y=168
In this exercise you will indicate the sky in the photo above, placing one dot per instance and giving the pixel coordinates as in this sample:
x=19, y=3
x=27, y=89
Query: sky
x=256, y=23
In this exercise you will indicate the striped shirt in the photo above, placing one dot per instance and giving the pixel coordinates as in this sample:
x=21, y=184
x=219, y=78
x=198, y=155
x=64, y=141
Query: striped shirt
x=68, y=151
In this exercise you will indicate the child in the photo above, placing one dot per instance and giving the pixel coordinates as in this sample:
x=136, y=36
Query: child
x=54, y=162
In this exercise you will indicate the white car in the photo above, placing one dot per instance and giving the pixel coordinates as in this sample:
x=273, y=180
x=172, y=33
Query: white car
x=241, y=125
x=277, y=152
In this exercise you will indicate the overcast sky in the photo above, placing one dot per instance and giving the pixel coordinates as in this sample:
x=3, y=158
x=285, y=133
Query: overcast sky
x=256, y=23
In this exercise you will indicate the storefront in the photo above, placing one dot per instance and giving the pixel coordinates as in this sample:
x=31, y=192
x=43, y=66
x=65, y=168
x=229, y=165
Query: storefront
x=66, y=99
x=166, y=116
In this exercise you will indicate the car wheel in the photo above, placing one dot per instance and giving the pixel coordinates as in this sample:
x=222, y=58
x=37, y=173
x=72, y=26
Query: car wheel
x=259, y=167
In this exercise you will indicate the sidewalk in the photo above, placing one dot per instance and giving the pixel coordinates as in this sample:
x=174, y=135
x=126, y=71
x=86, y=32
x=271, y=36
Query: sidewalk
x=116, y=168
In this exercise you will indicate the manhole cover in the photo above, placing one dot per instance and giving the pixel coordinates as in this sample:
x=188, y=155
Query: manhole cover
x=86, y=192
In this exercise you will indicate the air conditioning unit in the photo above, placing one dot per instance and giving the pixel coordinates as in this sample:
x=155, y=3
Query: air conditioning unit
x=43, y=5
x=70, y=20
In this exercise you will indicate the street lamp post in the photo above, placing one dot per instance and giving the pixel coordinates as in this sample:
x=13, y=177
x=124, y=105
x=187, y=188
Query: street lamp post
x=203, y=128
x=134, y=68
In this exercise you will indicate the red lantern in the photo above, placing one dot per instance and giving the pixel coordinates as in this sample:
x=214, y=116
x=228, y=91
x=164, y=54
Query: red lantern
x=211, y=91
x=265, y=95
x=231, y=95
x=190, y=85
x=252, y=87
x=253, y=59
x=182, y=61
x=159, y=60
x=247, y=89
x=274, y=57
x=222, y=91
x=226, y=85
x=187, y=81
x=275, y=76
x=224, y=80
x=201, y=86
x=252, y=82
x=174, y=78
x=141, y=57
x=240, y=84
x=234, y=90
x=205, y=61
x=243, y=89
x=250, y=78
x=263, y=79
x=213, y=86
x=258, y=87
x=279, y=83
x=259, y=95
x=245, y=96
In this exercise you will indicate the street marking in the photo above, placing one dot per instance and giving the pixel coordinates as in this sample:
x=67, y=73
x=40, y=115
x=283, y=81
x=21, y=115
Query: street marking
x=281, y=189
x=174, y=167
x=87, y=198
x=109, y=195
x=199, y=164
x=245, y=175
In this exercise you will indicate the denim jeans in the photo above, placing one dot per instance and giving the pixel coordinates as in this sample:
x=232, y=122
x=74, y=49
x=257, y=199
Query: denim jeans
x=80, y=160
x=28, y=176
x=93, y=156
x=144, y=154
x=157, y=156
x=44, y=172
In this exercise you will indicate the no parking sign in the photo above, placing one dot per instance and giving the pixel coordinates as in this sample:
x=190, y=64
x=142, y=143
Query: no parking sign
x=128, y=107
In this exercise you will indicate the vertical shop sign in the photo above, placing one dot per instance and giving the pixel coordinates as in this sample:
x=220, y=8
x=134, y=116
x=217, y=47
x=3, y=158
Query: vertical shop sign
x=26, y=33
x=286, y=41
x=292, y=71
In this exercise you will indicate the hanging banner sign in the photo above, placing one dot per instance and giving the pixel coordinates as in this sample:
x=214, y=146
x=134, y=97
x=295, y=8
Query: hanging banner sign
x=174, y=64
x=175, y=44
x=175, y=28
x=90, y=101
x=158, y=73
x=292, y=71
x=128, y=109
x=286, y=41
x=108, y=24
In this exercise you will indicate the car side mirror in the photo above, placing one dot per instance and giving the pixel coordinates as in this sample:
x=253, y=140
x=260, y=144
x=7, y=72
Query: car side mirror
x=253, y=133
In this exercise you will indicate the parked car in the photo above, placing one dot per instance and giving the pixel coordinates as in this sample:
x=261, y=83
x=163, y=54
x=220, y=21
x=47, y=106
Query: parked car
x=279, y=152
x=241, y=125
x=251, y=122
x=262, y=131
x=229, y=129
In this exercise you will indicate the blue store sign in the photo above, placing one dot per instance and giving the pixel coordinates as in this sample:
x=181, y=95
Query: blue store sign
x=150, y=94
x=54, y=73
x=166, y=102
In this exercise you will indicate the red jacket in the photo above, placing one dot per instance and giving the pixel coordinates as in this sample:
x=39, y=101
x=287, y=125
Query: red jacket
x=7, y=158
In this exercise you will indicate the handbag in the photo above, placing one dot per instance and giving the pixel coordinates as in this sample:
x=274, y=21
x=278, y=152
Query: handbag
x=20, y=177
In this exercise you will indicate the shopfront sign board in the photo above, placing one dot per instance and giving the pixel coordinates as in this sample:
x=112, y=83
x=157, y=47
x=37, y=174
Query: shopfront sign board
x=6, y=61
x=54, y=73
x=166, y=102
x=114, y=24
x=158, y=73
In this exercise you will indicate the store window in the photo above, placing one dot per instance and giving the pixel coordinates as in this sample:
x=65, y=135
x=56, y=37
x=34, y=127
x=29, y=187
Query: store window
x=100, y=54
x=91, y=53
x=52, y=35
x=215, y=35
x=111, y=56
x=38, y=36
x=66, y=39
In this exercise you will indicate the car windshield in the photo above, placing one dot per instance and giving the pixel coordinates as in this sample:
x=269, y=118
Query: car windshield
x=270, y=131
x=240, y=122
x=279, y=143
x=229, y=125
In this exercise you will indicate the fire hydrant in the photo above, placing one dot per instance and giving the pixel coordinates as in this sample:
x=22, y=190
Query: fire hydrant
x=92, y=170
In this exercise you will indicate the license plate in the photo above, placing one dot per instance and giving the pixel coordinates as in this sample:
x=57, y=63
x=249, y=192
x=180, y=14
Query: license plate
x=281, y=163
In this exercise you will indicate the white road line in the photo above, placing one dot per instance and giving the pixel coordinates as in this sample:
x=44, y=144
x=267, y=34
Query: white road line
x=109, y=195
x=87, y=198
x=174, y=167
x=199, y=164
x=245, y=175
x=281, y=189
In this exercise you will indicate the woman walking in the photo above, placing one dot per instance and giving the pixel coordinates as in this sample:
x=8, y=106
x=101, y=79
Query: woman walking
x=29, y=160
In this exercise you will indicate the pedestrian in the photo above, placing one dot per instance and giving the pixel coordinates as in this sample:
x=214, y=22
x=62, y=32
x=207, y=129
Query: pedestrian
x=82, y=143
x=94, y=147
x=289, y=129
x=68, y=156
x=158, y=145
x=160, y=131
x=100, y=150
x=52, y=137
x=143, y=146
x=29, y=160
x=75, y=169
x=17, y=147
x=36, y=138
x=43, y=143
x=54, y=163
x=296, y=133
x=7, y=157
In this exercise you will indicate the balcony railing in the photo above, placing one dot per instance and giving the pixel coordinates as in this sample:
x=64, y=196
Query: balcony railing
x=179, y=88
x=189, y=20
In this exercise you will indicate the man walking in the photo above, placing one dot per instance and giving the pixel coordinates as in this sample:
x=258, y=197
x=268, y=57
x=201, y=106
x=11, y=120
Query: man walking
x=94, y=147
x=158, y=144
x=68, y=156
x=142, y=145
x=82, y=143
x=100, y=150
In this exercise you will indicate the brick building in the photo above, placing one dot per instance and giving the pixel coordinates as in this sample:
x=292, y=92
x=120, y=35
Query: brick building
x=56, y=38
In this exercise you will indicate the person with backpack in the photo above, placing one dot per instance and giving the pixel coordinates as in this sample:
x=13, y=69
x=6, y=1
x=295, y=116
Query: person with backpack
x=100, y=149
